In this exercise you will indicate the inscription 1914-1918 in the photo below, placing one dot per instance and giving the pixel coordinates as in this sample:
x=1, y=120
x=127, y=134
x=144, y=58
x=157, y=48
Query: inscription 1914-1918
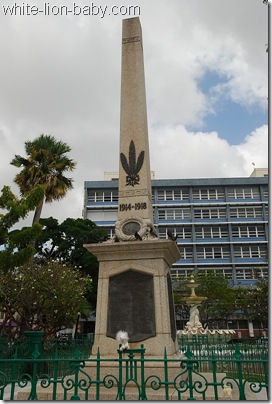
x=128, y=206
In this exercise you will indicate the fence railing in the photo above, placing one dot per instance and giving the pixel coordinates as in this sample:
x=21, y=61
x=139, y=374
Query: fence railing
x=201, y=372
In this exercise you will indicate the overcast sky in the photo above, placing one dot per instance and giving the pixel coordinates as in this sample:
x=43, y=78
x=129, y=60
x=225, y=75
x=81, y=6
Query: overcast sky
x=206, y=84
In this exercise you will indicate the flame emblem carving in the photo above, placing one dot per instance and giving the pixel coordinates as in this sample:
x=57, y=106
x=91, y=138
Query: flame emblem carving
x=132, y=167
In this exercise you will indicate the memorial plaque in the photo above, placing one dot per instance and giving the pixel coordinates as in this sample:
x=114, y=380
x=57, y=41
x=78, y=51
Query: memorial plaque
x=131, y=306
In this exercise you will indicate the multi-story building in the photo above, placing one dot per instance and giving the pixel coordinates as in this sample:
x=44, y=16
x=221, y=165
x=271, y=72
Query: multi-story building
x=220, y=224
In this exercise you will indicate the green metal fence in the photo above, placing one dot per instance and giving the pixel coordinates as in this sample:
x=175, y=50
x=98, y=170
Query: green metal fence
x=205, y=371
x=34, y=344
x=251, y=351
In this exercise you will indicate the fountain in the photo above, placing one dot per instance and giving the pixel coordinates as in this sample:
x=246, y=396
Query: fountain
x=194, y=326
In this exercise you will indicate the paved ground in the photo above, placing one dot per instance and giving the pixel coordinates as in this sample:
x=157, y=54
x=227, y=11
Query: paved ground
x=262, y=396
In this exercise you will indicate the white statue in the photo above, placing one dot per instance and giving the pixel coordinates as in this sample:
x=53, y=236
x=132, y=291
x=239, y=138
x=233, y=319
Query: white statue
x=193, y=323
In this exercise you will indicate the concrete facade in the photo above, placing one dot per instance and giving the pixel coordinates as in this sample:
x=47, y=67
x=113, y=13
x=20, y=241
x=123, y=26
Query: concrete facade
x=221, y=224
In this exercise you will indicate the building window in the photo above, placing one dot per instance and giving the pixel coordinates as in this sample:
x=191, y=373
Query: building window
x=209, y=213
x=246, y=212
x=209, y=232
x=183, y=232
x=244, y=273
x=176, y=194
x=244, y=193
x=248, y=231
x=178, y=231
x=102, y=196
x=265, y=192
x=110, y=196
x=186, y=252
x=208, y=193
x=181, y=272
x=100, y=215
x=254, y=251
x=251, y=273
x=215, y=252
x=110, y=231
x=174, y=214
x=227, y=272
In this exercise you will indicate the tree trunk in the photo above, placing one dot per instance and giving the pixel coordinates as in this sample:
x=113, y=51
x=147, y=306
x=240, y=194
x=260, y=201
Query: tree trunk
x=38, y=212
x=36, y=219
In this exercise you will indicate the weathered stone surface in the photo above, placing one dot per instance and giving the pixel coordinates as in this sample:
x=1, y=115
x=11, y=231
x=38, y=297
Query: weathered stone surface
x=151, y=258
x=135, y=198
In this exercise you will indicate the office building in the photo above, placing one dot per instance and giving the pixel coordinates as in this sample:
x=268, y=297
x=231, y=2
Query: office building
x=220, y=224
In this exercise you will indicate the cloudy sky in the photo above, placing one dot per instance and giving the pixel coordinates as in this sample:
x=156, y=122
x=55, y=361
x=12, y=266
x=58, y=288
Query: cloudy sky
x=206, y=83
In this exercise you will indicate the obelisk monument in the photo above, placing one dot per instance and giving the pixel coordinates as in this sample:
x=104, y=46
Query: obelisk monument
x=134, y=164
x=135, y=197
x=134, y=284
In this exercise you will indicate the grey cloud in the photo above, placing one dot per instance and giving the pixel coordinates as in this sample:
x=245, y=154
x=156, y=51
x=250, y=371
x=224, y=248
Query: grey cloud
x=61, y=75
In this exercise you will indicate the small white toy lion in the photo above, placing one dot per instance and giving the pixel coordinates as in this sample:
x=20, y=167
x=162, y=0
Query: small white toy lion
x=122, y=338
x=227, y=393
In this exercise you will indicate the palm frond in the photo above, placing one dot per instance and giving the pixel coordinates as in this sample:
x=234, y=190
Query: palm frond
x=132, y=157
x=124, y=163
x=140, y=161
x=45, y=164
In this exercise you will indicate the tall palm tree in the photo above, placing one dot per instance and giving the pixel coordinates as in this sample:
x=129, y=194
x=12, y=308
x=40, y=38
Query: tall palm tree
x=45, y=164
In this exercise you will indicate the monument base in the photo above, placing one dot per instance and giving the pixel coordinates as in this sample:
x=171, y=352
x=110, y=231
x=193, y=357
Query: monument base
x=135, y=295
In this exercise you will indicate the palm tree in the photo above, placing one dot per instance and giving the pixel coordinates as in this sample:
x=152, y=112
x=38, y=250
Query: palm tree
x=45, y=165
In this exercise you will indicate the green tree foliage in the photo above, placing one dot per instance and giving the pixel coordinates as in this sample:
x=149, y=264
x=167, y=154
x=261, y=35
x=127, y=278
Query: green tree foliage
x=253, y=302
x=65, y=242
x=42, y=297
x=220, y=305
x=46, y=164
x=15, y=249
x=46, y=295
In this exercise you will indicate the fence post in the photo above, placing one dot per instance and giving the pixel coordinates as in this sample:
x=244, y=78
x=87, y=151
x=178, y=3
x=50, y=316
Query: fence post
x=34, y=341
x=166, y=376
x=98, y=362
x=238, y=358
x=142, y=377
x=190, y=364
x=120, y=375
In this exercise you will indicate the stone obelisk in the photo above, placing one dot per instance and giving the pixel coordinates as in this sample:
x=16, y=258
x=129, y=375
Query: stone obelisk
x=135, y=198
x=134, y=285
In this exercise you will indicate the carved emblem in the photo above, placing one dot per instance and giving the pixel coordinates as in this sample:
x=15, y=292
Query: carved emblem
x=131, y=39
x=131, y=166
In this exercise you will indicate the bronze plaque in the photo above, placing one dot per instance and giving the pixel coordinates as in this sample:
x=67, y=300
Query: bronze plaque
x=131, y=306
